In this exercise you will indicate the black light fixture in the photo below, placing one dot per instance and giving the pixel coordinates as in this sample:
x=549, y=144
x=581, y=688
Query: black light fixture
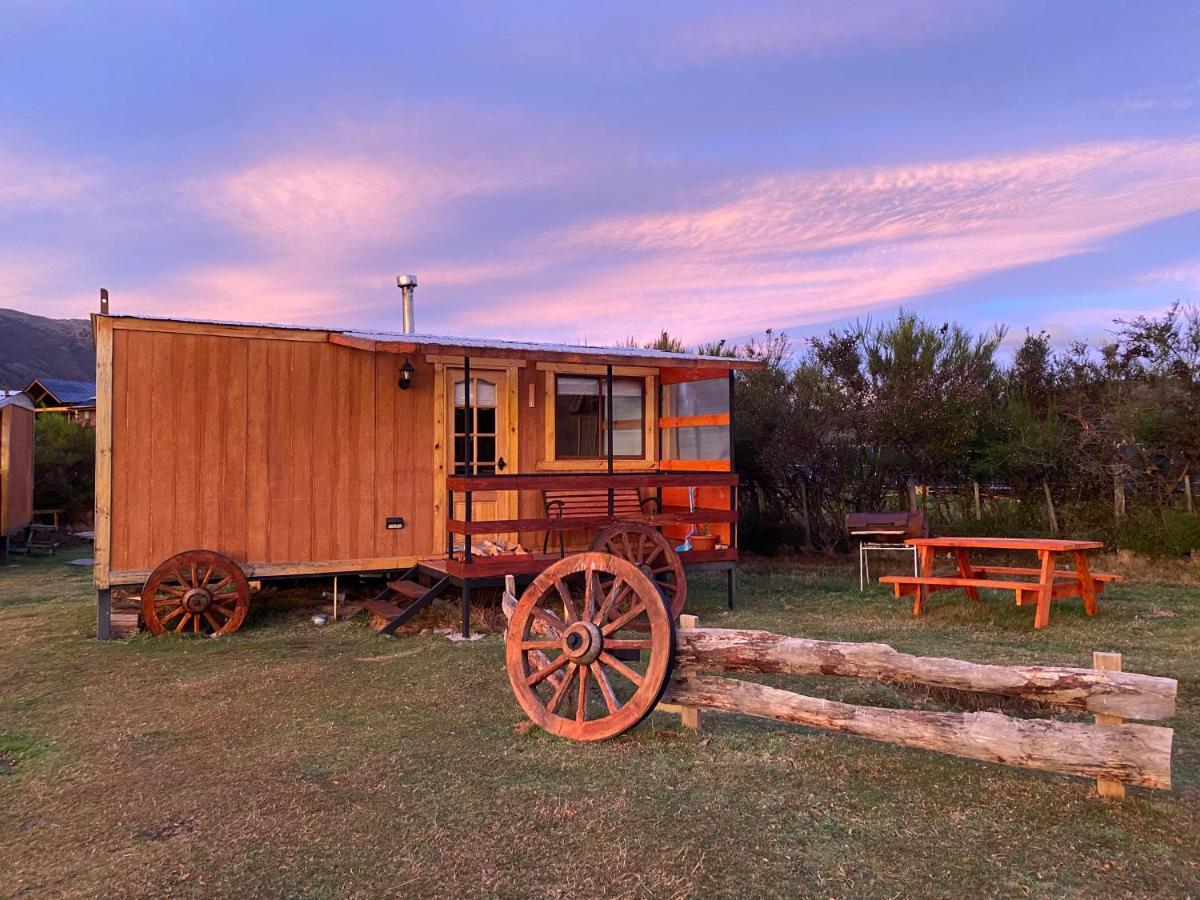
x=406, y=375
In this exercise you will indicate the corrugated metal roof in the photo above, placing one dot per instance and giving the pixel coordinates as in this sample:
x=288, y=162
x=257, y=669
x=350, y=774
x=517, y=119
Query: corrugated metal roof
x=16, y=398
x=68, y=393
x=434, y=341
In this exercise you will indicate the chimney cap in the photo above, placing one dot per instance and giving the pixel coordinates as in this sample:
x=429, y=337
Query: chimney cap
x=406, y=281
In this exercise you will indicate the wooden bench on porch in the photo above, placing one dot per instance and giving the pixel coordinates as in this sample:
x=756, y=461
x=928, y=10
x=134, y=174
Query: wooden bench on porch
x=567, y=503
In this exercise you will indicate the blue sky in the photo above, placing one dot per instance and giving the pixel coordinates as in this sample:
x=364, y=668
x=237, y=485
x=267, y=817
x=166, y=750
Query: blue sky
x=585, y=172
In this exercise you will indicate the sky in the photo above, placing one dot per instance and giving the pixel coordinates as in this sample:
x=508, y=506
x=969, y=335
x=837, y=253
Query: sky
x=588, y=172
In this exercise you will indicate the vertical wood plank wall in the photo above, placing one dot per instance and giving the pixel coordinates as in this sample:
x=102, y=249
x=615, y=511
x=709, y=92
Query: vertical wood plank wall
x=270, y=451
x=16, y=467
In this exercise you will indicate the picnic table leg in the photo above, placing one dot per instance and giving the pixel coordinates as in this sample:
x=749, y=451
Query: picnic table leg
x=1087, y=584
x=1045, y=589
x=926, y=571
x=966, y=571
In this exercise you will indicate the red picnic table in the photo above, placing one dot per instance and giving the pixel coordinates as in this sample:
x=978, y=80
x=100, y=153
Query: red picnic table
x=1051, y=583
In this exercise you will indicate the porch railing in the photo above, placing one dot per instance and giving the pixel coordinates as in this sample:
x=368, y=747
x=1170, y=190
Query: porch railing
x=468, y=526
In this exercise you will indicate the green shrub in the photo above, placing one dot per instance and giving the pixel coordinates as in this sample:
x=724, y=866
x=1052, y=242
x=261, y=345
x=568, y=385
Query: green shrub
x=1159, y=534
x=64, y=467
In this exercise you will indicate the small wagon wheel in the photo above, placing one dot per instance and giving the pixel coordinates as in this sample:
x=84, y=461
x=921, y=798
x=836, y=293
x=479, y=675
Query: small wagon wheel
x=649, y=551
x=196, y=592
x=560, y=643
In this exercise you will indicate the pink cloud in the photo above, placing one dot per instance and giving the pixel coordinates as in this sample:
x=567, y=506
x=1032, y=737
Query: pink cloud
x=798, y=247
x=821, y=28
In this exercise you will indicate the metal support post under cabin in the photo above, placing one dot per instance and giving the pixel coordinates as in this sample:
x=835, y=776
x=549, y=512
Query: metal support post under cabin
x=103, y=615
x=469, y=467
x=731, y=587
x=611, y=419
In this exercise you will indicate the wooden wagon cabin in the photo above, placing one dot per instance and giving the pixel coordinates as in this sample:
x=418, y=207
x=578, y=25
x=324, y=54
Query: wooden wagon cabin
x=16, y=467
x=229, y=452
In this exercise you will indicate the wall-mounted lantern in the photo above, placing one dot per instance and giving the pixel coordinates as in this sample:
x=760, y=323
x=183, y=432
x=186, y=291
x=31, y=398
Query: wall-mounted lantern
x=406, y=375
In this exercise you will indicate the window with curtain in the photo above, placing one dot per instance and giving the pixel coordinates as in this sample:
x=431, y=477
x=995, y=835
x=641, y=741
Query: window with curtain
x=581, y=417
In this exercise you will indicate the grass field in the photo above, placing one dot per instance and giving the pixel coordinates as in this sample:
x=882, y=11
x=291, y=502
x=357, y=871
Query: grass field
x=287, y=760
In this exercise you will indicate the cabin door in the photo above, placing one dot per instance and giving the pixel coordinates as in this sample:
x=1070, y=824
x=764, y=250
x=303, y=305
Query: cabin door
x=489, y=431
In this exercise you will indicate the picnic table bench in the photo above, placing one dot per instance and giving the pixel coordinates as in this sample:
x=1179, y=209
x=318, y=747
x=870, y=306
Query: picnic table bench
x=1049, y=583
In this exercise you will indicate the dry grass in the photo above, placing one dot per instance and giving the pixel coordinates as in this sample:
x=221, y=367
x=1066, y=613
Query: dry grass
x=291, y=760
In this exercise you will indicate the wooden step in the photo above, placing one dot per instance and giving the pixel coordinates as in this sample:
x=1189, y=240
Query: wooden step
x=383, y=608
x=409, y=589
x=936, y=582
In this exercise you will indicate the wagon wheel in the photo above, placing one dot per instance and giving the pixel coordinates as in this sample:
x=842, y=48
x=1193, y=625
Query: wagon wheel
x=560, y=643
x=653, y=554
x=196, y=592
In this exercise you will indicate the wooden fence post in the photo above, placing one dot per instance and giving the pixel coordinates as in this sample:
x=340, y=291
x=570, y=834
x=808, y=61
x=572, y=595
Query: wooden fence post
x=978, y=505
x=1050, y=514
x=1108, y=662
x=689, y=716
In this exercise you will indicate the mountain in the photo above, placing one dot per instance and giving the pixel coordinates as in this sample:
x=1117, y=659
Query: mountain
x=32, y=346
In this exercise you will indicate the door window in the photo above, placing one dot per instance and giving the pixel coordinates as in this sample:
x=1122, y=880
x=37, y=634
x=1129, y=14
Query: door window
x=483, y=427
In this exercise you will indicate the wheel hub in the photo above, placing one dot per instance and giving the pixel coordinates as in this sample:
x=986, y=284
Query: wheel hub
x=582, y=643
x=197, y=600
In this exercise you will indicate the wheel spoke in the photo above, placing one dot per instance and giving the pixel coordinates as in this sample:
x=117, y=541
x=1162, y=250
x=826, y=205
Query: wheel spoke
x=195, y=624
x=216, y=626
x=628, y=549
x=207, y=575
x=195, y=583
x=560, y=692
x=540, y=645
x=601, y=677
x=542, y=673
x=613, y=663
x=222, y=583
x=589, y=596
x=552, y=624
x=570, y=610
x=183, y=622
x=616, y=592
x=653, y=556
x=618, y=624
x=581, y=701
x=227, y=613
x=163, y=620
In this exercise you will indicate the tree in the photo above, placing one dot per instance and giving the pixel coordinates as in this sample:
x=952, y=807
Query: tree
x=64, y=465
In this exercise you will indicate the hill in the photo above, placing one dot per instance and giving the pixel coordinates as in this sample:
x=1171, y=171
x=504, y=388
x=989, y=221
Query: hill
x=34, y=345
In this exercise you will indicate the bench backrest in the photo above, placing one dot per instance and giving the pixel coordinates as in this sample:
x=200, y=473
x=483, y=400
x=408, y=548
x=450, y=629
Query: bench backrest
x=567, y=503
x=896, y=525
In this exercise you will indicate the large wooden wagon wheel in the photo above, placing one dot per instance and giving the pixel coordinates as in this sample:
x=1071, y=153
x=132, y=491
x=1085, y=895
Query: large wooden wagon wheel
x=560, y=643
x=650, y=552
x=196, y=592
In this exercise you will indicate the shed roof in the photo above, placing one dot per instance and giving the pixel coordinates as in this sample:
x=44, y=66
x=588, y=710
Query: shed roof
x=67, y=393
x=15, y=398
x=397, y=342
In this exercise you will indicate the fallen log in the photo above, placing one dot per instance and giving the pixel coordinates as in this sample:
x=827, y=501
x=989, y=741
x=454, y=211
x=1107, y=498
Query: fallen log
x=1124, y=694
x=1135, y=754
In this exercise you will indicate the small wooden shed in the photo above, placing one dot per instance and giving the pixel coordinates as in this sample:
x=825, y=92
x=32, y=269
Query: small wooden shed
x=16, y=464
x=298, y=451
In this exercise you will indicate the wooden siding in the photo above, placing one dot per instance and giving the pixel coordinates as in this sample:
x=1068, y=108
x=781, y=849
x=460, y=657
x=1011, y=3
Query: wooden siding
x=16, y=467
x=279, y=453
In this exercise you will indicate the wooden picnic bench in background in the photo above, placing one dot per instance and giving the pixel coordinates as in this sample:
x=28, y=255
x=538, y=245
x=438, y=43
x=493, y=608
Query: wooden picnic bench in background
x=1048, y=585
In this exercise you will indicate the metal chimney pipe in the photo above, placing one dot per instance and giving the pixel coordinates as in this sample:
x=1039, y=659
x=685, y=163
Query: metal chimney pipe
x=407, y=284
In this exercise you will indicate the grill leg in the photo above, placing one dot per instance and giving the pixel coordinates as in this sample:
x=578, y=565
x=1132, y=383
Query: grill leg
x=862, y=578
x=731, y=586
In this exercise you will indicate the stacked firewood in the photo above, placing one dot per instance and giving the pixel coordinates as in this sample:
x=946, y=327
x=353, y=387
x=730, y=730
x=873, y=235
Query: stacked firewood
x=499, y=547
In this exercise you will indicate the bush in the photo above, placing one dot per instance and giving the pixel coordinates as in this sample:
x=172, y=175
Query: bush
x=1169, y=533
x=64, y=467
